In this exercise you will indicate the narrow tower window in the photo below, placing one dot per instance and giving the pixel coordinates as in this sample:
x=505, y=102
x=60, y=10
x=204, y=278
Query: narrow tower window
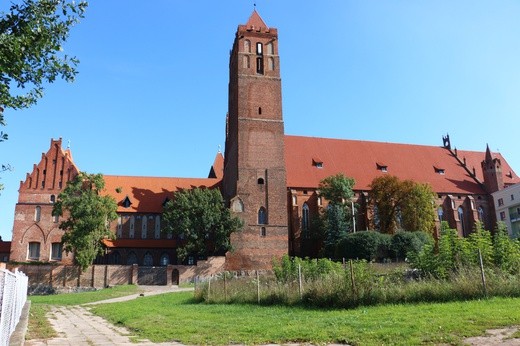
x=259, y=48
x=246, y=63
x=270, y=64
x=305, y=220
x=262, y=216
x=247, y=46
x=260, y=65
x=37, y=213
x=260, y=110
x=270, y=49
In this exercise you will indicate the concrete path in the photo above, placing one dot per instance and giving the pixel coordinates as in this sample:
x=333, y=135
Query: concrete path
x=76, y=326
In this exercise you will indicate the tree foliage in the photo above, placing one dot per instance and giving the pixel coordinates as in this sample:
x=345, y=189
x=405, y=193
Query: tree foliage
x=199, y=219
x=401, y=204
x=335, y=221
x=88, y=215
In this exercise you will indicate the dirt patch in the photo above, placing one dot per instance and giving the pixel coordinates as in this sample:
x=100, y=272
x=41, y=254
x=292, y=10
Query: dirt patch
x=500, y=337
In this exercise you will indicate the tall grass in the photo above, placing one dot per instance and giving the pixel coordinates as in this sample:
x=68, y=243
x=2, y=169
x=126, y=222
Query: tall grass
x=334, y=285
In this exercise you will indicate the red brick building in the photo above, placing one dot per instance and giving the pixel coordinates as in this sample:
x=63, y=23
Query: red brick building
x=268, y=178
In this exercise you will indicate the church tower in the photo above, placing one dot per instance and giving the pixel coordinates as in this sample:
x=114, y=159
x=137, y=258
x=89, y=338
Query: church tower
x=492, y=170
x=254, y=181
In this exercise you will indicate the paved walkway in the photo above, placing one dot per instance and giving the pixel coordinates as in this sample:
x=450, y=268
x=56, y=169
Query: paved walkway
x=76, y=326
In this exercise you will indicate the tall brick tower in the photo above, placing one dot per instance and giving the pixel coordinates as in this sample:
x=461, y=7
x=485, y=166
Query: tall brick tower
x=492, y=170
x=254, y=169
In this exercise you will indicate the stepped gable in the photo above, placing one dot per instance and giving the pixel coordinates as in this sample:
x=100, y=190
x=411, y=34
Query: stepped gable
x=365, y=160
x=55, y=168
x=148, y=194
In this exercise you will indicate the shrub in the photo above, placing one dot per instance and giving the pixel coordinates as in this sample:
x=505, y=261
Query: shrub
x=366, y=245
x=403, y=243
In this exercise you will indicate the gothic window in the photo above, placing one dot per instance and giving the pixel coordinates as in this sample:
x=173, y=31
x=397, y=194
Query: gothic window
x=144, y=227
x=259, y=48
x=440, y=213
x=116, y=257
x=247, y=46
x=132, y=225
x=119, y=226
x=269, y=48
x=262, y=216
x=148, y=260
x=460, y=210
x=165, y=259
x=270, y=64
x=34, y=251
x=260, y=65
x=305, y=220
x=37, y=213
x=480, y=211
x=132, y=258
x=157, y=227
x=56, y=251
x=245, y=61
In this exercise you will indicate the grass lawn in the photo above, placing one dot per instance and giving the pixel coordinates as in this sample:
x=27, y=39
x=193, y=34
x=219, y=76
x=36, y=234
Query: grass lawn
x=40, y=328
x=177, y=317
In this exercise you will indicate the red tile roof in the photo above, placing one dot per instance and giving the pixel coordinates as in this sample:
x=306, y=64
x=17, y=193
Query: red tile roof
x=140, y=243
x=360, y=159
x=217, y=170
x=147, y=194
x=256, y=22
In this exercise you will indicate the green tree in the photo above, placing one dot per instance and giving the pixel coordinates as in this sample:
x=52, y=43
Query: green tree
x=200, y=220
x=401, y=204
x=88, y=215
x=31, y=36
x=336, y=220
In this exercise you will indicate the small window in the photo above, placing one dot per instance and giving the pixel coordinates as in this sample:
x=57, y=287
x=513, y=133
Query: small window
x=34, y=251
x=126, y=202
x=55, y=218
x=37, y=213
x=245, y=62
x=260, y=110
x=53, y=198
x=261, y=181
x=502, y=215
x=260, y=65
x=132, y=225
x=263, y=232
x=144, y=227
x=270, y=64
x=500, y=202
x=247, y=46
x=148, y=260
x=440, y=171
x=480, y=211
x=262, y=216
x=165, y=259
x=191, y=260
x=318, y=163
x=259, y=48
x=269, y=48
x=512, y=197
x=320, y=202
x=56, y=251
x=43, y=184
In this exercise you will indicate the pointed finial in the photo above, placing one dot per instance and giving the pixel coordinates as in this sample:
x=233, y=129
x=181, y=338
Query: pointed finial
x=68, y=144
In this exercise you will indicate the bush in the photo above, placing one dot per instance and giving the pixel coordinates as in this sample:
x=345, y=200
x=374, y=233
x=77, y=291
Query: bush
x=366, y=245
x=405, y=243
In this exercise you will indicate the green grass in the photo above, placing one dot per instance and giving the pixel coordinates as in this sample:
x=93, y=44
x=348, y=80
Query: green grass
x=85, y=297
x=39, y=327
x=178, y=317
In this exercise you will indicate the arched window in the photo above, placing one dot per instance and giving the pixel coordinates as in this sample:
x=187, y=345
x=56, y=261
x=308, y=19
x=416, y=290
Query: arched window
x=157, y=227
x=148, y=260
x=440, y=213
x=259, y=48
x=53, y=198
x=165, y=259
x=144, y=227
x=262, y=216
x=37, y=213
x=480, y=211
x=260, y=181
x=246, y=62
x=116, y=257
x=270, y=64
x=132, y=225
x=132, y=258
x=462, y=221
x=247, y=46
x=119, y=226
x=269, y=48
x=305, y=220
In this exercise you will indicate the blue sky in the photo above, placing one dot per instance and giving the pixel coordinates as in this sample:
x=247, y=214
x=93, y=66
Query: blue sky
x=151, y=95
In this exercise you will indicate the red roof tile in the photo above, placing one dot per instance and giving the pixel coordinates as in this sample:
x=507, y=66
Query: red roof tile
x=140, y=243
x=217, y=169
x=147, y=194
x=360, y=159
x=256, y=22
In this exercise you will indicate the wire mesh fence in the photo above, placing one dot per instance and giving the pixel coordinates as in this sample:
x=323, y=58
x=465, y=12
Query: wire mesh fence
x=13, y=295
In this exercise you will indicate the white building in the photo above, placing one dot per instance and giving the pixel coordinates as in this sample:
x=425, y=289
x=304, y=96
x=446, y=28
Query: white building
x=507, y=207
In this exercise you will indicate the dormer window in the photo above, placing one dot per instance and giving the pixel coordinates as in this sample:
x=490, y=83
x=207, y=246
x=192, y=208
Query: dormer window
x=382, y=167
x=126, y=202
x=317, y=162
x=439, y=170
